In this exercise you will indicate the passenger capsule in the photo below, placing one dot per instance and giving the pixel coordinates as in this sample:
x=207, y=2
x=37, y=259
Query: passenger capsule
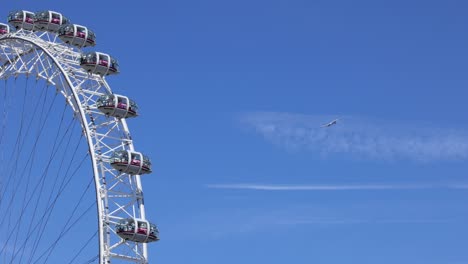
x=21, y=19
x=131, y=162
x=99, y=63
x=137, y=230
x=4, y=29
x=117, y=106
x=77, y=35
x=49, y=20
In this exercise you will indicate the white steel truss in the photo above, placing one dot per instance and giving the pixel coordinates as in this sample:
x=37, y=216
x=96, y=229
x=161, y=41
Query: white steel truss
x=118, y=195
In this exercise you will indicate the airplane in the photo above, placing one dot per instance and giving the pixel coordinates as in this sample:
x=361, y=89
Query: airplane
x=331, y=123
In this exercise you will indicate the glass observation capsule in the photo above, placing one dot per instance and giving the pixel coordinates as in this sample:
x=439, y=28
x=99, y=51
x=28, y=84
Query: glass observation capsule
x=130, y=162
x=4, y=29
x=137, y=230
x=99, y=63
x=49, y=20
x=76, y=35
x=21, y=19
x=117, y=106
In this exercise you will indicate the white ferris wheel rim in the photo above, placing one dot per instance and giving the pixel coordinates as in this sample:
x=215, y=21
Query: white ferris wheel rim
x=46, y=46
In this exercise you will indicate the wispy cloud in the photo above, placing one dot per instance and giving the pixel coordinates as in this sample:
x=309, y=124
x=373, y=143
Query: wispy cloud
x=350, y=221
x=279, y=187
x=245, y=219
x=364, y=138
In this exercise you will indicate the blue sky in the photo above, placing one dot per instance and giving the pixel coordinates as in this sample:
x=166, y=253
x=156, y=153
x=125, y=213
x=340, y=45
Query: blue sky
x=232, y=95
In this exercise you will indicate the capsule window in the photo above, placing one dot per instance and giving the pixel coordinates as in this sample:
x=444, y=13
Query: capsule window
x=146, y=161
x=92, y=57
x=133, y=106
x=136, y=159
x=120, y=156
x=68, y=30
x=105, y=100
x=29, y=18
x=103, y=60
x=16, y=16
x=122, y=102
x=110, y=100
x=4, y=29
x=114, y=64
x=124, y=157
x=43, y=15
x=55, y=18
x=91, y=36
x=81, y=32
x=89, y=58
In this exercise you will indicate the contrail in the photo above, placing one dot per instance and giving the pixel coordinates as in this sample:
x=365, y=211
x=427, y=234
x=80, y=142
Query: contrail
x=311, y=187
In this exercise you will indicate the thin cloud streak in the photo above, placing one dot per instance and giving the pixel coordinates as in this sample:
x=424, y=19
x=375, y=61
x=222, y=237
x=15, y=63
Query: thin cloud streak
x=358, y=137
x=272, y=187
x=345, y=221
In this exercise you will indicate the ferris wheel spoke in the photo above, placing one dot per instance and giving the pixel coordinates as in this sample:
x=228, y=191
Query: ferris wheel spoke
x=10, y=177
x=50, y=206
x=30, y=156
x=6, y=108
x=54, y=244
x=37, y=189
x=28, y=179
x=83, y=247
x=14, y=160
x=18, y=145
x=92, y=260
x=18, y=138
x=75, y=209
x=15, y=192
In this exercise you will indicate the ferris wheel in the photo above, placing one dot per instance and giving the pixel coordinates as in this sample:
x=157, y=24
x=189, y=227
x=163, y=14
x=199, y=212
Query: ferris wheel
x=46, y=49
